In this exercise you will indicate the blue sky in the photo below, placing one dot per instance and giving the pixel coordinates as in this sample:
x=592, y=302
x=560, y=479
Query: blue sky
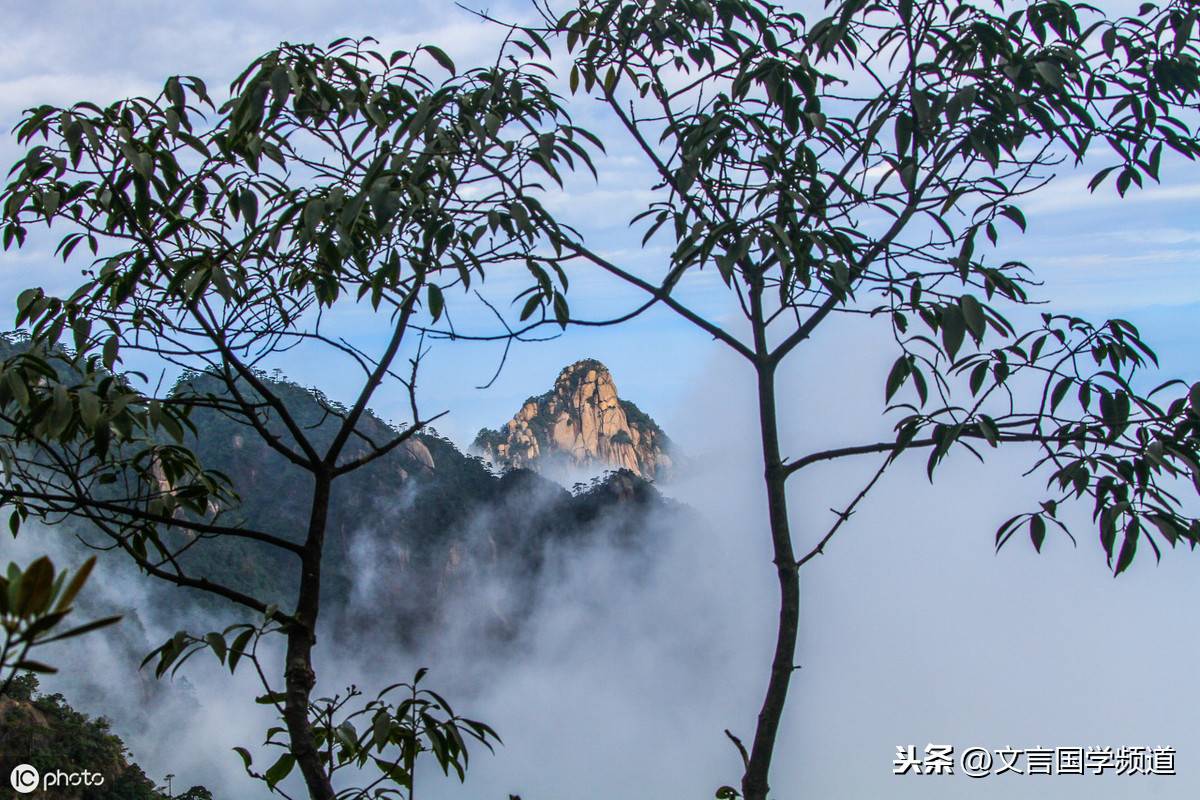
x=1098, y=256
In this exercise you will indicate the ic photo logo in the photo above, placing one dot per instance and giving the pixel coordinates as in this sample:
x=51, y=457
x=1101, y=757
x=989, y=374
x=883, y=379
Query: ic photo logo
x=24, y=779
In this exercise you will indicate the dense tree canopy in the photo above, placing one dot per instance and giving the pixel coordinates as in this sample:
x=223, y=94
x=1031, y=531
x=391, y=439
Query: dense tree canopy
x=223, y=235
x=863, y=160
x=867, y=160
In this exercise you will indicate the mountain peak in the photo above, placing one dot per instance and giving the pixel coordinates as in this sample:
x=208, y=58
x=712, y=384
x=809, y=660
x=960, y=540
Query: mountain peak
x=580, y=424
x=573, y=372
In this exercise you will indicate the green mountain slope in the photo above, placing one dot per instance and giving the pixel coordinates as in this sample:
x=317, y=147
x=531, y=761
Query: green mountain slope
x=46, y=733
x=421, y=533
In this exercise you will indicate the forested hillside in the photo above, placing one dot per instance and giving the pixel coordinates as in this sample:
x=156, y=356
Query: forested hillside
x=45, y=732
x=419, y=529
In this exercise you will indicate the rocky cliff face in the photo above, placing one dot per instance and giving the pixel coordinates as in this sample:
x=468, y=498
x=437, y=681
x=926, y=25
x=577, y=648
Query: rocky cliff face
x=583, y=424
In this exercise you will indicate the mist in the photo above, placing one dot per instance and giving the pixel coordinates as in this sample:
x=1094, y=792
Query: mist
x=629, y=663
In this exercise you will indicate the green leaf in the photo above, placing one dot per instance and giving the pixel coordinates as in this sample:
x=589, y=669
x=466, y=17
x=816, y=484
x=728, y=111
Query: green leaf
x=441, y=58
x=248, y=201
x=531, y=305
x=77, y=581
x=437, y=301
x=610, y=80
x=1014, y=214
x=1059, y=392
x=562, y=313
x=896, y=377
x=217, y=642
x=987, y=427
x=280, y=769
x=89, y=409
x=978, y=376
x=1128, y=547
x=61, y=412
x=973, y=316
x=109, y=354
x=281, y=85
x=1037, y=531
x=34, y=592
x=245, y=754
x=953, y=329
x=394, y=772
x=174, y=92
x=238, y=648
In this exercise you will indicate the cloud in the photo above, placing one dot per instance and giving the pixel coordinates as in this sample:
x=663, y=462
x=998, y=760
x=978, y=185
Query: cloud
x=632, y=665
x=1071, y=194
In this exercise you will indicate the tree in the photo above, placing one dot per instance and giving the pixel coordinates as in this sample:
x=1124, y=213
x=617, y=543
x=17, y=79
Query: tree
x=219, y=237
x=196, y=793
x=864, y=163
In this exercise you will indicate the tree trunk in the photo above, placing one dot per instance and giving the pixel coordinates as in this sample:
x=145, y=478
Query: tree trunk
x=754, y=781
x=299, y=676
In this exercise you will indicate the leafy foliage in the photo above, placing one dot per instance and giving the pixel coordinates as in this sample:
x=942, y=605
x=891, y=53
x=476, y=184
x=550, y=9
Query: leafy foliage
x=222, y=232
x=384, y=735
x=34, y=602
x=816, y=193
x=864, y=162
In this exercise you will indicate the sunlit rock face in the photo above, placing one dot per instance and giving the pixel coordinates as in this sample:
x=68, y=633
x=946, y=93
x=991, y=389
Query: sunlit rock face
x=581, y=424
